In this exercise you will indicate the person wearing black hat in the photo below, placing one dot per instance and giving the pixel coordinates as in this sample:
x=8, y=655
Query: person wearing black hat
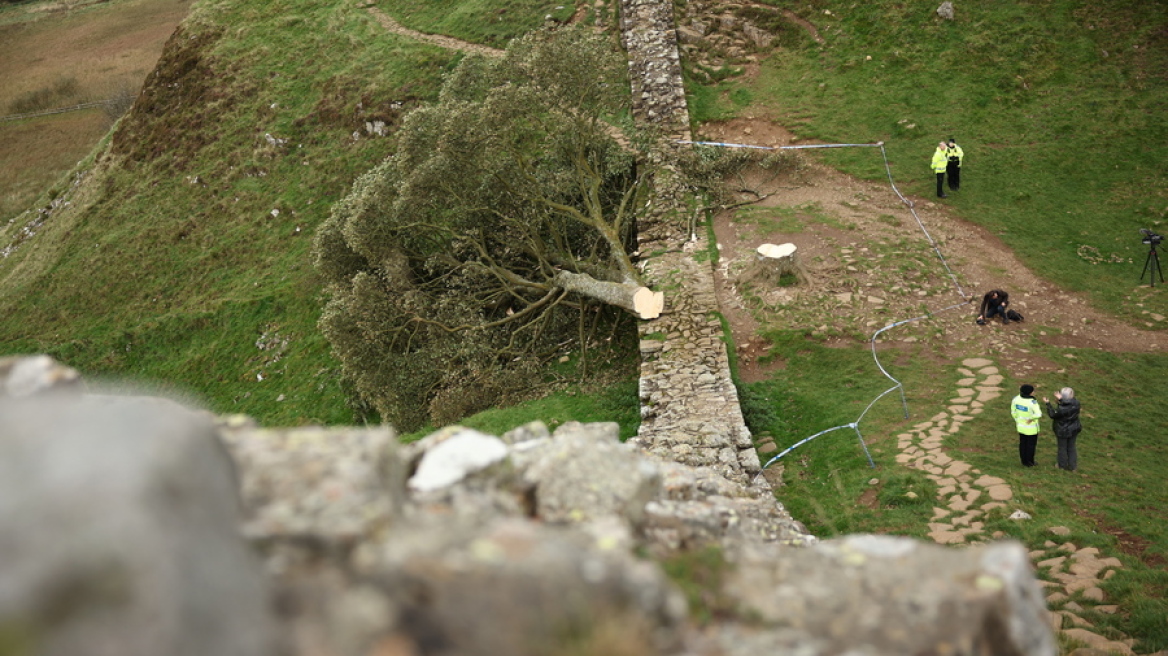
x=1024, y=408
x=954, y=156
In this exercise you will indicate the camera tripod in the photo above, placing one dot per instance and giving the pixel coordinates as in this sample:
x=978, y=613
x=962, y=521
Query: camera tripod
x=1153, y=264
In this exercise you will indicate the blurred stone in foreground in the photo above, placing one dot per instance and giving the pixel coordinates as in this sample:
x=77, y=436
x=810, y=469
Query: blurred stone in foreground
x=26, y=375
x=118, y=534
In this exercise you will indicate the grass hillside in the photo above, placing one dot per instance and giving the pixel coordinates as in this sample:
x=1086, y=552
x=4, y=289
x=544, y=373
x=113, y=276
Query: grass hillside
x=1061, y=107
x=177, y=252
x=181, y=257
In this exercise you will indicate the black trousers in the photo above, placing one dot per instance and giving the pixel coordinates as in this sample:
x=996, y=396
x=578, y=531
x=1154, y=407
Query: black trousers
x=1027, y=445
x=1068, y=455
x=954, y=171
x=941, y=185
x=996, y=311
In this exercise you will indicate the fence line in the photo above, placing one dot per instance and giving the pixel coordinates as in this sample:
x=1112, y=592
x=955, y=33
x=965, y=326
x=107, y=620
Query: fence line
x=855, y=425
x=59, y=110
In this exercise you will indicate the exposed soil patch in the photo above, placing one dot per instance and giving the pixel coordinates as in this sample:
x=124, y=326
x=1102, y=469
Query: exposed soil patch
x=870, y=265
x=1132, y=545
x=870, y=499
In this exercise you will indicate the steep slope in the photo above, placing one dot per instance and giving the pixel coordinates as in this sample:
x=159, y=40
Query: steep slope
x=178, y=252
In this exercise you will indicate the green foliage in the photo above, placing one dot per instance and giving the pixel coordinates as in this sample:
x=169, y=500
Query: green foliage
x=718, y=174
x=444, y=262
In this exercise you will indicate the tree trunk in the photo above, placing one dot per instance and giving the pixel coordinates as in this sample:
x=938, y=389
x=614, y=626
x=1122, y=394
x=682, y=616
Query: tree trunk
x=772, y=262
x=641, y=301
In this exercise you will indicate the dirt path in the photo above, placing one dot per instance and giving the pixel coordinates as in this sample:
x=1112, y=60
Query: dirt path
x=871, y=265
x=449, y=43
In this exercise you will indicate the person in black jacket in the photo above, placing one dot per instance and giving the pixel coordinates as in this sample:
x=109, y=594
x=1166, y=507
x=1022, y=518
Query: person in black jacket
x=1066, y=426
x=993, y=303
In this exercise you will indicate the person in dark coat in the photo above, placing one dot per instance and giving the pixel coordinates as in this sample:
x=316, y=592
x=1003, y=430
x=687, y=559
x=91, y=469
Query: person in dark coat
x=995, y=302
x=1066, y=426
x=953, y=168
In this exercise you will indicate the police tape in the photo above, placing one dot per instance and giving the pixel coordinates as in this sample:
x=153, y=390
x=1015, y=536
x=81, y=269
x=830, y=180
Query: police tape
x=855, y=425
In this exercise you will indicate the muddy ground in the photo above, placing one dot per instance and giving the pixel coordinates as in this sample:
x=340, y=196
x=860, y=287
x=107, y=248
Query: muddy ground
x=869, y=264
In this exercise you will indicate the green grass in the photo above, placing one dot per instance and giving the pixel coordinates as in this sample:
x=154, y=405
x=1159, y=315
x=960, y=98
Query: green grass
x=1059, y=105
x=827, y=476
x=194, y=244
x=1117, y=492
x=489, y=22
x=617, y=402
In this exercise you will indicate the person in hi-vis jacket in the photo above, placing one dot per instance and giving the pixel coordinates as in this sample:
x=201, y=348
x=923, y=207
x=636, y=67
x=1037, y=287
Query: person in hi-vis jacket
x=953, y=168
x=1024, y=408
x=940, y=165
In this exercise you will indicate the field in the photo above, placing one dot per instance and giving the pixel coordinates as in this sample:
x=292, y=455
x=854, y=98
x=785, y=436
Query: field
x=61, y=57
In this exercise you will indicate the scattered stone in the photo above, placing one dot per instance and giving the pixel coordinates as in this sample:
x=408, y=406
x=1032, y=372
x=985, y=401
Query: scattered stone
x=22, y=376
x=457, y=453
x=1060, y=531
x=1098, y=642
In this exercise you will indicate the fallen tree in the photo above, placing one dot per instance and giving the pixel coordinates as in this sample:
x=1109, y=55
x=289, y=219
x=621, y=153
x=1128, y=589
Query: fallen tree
x=499, y=230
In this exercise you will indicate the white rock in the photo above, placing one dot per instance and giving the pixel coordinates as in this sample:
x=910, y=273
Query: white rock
x=453, y=459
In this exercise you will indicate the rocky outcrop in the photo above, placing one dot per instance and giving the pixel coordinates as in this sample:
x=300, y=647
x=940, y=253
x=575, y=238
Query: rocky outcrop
x=120, y=533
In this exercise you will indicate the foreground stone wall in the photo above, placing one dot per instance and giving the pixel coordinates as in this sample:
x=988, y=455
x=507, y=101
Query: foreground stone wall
x=134, y=525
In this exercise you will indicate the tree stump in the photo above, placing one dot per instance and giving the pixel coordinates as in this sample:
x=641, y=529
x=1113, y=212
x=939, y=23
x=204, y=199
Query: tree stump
x=772, y=262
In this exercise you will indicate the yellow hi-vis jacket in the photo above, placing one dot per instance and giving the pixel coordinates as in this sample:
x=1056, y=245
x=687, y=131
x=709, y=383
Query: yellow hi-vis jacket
x=940, y=160
x=1026, y=414
x=955, y=151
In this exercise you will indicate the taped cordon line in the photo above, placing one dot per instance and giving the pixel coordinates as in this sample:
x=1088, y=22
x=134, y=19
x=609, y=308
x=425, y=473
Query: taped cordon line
x=803, y=147
x=855, y=425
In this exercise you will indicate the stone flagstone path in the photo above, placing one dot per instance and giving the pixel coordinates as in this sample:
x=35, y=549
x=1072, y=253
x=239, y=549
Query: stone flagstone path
x=965, y=495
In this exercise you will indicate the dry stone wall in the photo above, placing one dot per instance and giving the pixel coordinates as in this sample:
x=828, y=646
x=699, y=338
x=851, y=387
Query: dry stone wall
x=161, y=529
x=689, y=406
x=649, y=36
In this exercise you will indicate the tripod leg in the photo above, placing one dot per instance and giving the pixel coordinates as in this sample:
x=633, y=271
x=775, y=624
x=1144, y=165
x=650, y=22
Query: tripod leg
x=1148, y=264
x=1156, y=267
